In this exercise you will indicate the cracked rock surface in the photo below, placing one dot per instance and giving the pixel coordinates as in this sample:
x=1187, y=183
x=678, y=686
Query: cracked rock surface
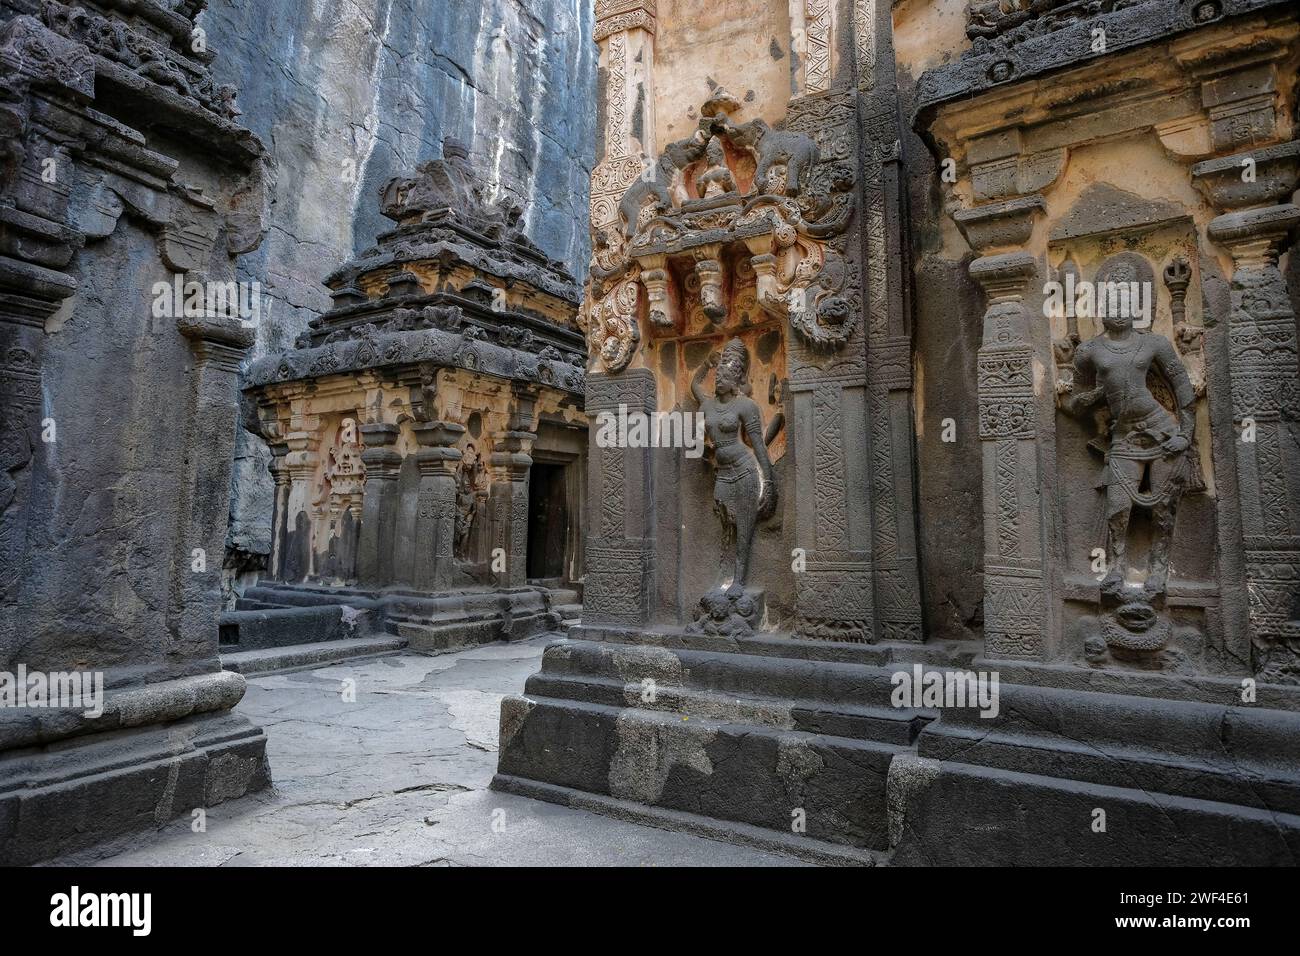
x=399, y=776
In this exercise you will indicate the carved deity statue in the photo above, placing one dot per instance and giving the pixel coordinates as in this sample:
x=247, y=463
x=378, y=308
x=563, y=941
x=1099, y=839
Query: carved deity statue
x=717, y=179
x=1147, y=461
x=345, y=474
x=469, y=489
x=744, y=489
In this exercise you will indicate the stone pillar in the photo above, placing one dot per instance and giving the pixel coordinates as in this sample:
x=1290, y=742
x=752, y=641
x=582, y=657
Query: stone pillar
x=620, y=582
x=280, y=513
x=435, y=520
x=1017, y=576
x=29, y=294
x=301, y=461
x=379, y=505
x=1263, y=367
x=625, y=33
x=218, y=344
x=508, y=467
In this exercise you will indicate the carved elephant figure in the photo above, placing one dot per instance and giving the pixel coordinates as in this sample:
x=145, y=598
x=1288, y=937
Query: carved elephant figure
x=775, y=147
x=655, y=185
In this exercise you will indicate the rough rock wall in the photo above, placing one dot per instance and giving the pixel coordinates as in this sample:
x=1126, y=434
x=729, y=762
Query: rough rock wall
x=348, y=93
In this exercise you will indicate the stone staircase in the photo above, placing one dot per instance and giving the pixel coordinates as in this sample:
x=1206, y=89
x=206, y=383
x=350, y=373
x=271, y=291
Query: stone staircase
x=566, y=603
x=675, y=727
x=282, y=627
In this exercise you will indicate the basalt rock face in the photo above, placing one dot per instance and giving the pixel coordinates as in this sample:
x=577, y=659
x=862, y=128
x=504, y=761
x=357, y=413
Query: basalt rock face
x=124, y=171
x=349, y=95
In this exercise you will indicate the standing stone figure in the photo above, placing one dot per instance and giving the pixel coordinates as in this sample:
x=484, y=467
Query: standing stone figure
x=469, y=481
x=737, y=498
x=1148, y=450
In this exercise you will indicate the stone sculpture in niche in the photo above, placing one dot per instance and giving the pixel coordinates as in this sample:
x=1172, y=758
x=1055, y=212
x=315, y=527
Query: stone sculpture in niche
x=717, y=179
x=347, y=473
x=1147, y=460
x=471, y=489
x=744, y=489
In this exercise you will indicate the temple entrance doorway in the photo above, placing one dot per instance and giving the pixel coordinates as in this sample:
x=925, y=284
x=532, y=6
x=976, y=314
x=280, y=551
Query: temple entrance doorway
x=548, y=521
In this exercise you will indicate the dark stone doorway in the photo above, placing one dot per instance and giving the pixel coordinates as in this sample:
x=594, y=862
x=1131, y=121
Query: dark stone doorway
x=548, y=521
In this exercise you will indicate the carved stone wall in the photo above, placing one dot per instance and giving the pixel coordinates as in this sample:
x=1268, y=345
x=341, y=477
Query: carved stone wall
x=1202, y=129
x=783, y=232
x=118, y=415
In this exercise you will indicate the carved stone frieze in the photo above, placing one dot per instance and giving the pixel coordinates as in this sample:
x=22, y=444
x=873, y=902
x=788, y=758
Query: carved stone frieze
x=742, y=184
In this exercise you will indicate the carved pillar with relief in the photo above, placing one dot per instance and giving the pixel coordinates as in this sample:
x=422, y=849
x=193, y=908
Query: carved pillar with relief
x=379, y=504
x=509, y=467
x=435, y=522
x=280, y=510
x=620, y=581
x=1262, y=362
x=301, y=461
x=1017, y=577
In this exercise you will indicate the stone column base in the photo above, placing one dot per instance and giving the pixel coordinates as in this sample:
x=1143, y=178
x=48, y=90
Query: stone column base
x=174, y=747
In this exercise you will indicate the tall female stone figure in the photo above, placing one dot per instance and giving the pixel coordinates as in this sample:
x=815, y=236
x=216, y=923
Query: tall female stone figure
x=739, y=499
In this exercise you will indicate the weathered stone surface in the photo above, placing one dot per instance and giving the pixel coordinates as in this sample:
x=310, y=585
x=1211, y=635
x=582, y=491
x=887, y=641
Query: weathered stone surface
x=118, y=415
x=399, y=778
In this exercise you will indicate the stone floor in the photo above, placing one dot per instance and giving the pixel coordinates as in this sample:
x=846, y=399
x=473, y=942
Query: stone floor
x=398, y=775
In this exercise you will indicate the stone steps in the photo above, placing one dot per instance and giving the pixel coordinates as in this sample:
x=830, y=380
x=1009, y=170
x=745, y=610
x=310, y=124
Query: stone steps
x=247, y=630
x=266, y=660
x=752, y=774
x=843, y=699
x=564, y=596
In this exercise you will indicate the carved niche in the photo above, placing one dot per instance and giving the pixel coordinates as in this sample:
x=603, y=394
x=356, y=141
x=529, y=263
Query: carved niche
x=1135, y=389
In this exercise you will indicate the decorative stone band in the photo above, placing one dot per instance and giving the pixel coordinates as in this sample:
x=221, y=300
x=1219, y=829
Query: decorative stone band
x=442, y=348
x=1015, y=608
x=632, y=20
x=1046, y=45
x=834, y=601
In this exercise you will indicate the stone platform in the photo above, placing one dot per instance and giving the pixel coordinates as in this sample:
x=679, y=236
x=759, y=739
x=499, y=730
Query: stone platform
x=767, y=732
x=277, y=615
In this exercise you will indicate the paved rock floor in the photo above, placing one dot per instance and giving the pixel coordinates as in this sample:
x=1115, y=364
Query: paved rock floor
x=399, y=777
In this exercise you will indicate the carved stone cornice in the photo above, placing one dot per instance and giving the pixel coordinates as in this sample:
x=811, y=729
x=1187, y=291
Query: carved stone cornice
x=1273, y=171
x=617, y=16
x=1009, y=48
